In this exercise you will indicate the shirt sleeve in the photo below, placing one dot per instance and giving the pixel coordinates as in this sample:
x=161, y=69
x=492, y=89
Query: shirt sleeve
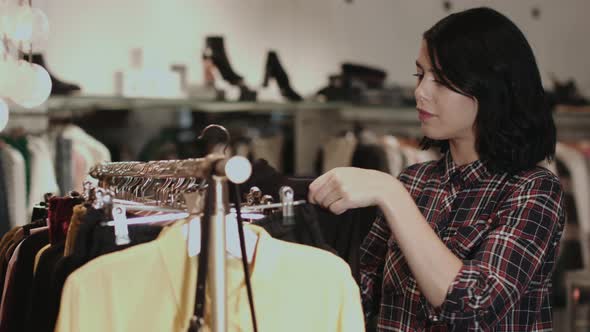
x=530, y=223
x=372, y=259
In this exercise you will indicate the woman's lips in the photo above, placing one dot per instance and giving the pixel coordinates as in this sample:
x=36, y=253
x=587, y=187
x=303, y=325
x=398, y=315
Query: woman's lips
x=423, y=115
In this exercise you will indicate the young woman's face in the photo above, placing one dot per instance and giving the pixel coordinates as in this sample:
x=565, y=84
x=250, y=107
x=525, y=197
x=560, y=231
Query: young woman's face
x=444, y=114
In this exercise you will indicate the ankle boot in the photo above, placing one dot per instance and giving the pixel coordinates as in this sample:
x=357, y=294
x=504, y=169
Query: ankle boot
x=58, y=87
x=215, y=49
x=275, y=70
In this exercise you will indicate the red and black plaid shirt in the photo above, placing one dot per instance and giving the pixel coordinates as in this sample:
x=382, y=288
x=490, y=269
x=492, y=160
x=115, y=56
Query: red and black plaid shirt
x=506, y=230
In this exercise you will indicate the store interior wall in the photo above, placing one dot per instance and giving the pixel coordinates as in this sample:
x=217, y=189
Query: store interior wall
x=91, y=40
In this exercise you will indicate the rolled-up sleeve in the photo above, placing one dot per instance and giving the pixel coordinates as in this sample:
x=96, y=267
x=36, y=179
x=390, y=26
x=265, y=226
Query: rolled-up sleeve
x=529, y=224
x=373, y=251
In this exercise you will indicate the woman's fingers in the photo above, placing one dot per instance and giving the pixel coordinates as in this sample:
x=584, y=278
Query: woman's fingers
x=339, y=207
x=320, y=187
x=330, y=198
x=328, y=188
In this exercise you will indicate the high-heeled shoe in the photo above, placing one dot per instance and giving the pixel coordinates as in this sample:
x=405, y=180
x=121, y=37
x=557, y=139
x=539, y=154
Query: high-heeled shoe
x=274, y=69
x=58, y=87
x=215, y=50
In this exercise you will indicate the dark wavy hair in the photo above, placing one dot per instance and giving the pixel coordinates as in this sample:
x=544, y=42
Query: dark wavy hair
x=482, y=54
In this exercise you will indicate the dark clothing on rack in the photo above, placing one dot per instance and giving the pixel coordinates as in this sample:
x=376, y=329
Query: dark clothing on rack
x=59, y=216
x=270, y=181
x=93, y=240
x=346, y=232
x=370, y=156
x=367, y=156
x=305, y=230
x=4, y=217
x=41, y=286
x=20, y=289
x=343, y=233
x=11, y=241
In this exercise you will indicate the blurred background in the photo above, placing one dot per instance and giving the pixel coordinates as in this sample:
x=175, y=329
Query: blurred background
x=307, y=85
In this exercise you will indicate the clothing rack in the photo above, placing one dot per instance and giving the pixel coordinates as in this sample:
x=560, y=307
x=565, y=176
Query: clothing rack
x=212, y=166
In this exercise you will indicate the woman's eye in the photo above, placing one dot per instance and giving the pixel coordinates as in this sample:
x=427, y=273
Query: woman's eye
x=419, y=76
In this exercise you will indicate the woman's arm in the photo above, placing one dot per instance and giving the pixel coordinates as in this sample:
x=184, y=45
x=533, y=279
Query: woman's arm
x=432, y=264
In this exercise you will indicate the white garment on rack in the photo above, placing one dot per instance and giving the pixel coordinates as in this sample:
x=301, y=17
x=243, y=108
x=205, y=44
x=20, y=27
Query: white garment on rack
x=338, y=152
x=100, y=153
x=423, y=156
x=87, y=152
x=269, y=149
x=192, y=232
x=43, y=179
x=410, y=154
x=393, y=153
x=14, y=174
x=576, y=164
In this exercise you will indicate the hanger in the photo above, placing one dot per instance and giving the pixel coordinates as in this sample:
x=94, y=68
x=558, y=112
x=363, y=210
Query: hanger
x=262, y=208
x=119, y=207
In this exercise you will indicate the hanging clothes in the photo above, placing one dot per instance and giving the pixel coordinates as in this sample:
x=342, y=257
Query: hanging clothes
x=17, y=291
x=15, y=177
x=341, y=233
x=20, y=143
x=43, y=178
x=91, y=241
x=282, y=273
x=305, y=228
x=5, y=225
x=338, y=152
x=270, y=149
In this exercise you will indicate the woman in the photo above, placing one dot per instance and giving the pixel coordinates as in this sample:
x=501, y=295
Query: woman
x=467, y=242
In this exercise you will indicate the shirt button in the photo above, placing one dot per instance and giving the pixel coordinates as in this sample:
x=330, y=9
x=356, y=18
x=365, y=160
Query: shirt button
x=490, y=221
x=434, y=319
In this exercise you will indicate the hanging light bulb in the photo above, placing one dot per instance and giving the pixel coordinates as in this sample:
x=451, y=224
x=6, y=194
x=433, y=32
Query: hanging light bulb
x=4, y=112
x=23, y=25
x=39, y=32
x=7, y=17
x=17, y=22
x=10, y=76
x=7, y=71
x=20, y=87
x=41, y=88
x=36, y=87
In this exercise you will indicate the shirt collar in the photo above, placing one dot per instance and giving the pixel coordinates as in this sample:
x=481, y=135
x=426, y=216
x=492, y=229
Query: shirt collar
x=182, y=269
x=464, y=174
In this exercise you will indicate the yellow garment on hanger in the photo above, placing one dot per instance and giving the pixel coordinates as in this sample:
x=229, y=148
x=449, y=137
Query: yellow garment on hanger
x=38, y=256
x=151, y=287
x=75, y=221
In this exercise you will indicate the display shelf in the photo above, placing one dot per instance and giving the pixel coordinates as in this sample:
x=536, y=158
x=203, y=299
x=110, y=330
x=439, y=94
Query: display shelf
x=83, y=102
x=313, y=122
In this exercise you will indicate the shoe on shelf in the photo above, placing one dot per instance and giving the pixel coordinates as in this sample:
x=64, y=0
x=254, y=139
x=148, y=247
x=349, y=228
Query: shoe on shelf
x=58, y=87
x=274, y=70
x=216, y=53
x=215, y=50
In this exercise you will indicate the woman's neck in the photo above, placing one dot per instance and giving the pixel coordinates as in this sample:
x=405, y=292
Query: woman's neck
x=463, y=151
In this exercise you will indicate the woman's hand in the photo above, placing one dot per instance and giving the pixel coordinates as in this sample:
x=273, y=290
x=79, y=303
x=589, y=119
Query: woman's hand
x=346, y=188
